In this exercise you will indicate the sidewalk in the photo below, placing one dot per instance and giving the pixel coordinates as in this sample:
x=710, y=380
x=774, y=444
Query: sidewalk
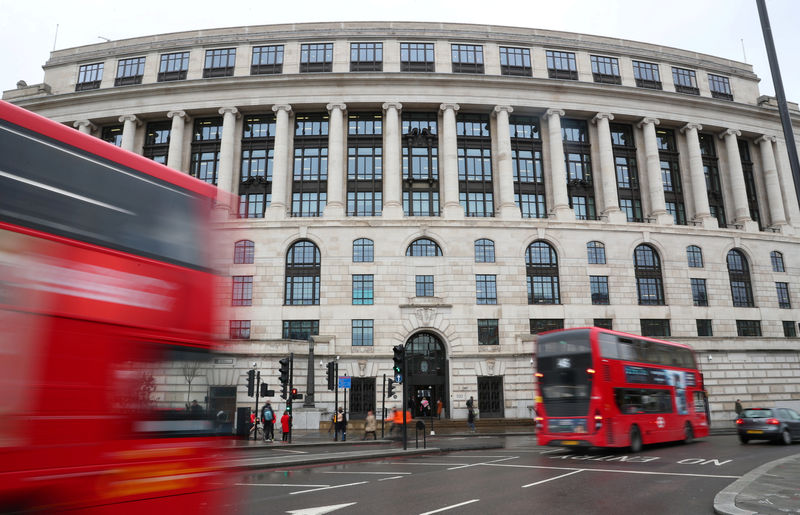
x=772, y=488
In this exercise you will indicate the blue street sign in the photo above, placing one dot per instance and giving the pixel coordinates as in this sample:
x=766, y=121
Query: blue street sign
x=398, y=378
x=344, y=381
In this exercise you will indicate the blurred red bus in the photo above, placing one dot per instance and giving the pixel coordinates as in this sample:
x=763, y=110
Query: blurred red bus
x=602, y=388
x=105, y=298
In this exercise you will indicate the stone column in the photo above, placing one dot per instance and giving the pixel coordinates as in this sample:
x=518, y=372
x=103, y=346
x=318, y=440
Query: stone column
x=777, y=214
x=558, y=168
x=176, y=136
x=449, y=162
x=702, y=213
x=608, y=171
x=507, y=208
x=130, y=122
x=334, y=208
x=280, y=163
x=85, y=126
x=741, y=208
x=226, y=146
x=392, y=160
x=655, y=182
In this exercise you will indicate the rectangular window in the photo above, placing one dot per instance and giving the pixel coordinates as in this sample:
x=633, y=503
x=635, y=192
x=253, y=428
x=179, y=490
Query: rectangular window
x=487, y=331
x=606, y=70
x=646, y=75
x=219, y=62
x=685, y=81
x=540, y=325
x=366, y=57
x=561, y=65
x=748, y=327
x=605, y=323
x=362, y=333
x=252, y=205
x=486, y=289
x=789, y=329
x=699, y=295
x=362, y=289
x=242, y=290
x=302, y=290
x=89, y=76
x=543, y=289
x=300, y=329
x=720, y=87
x=112, y=134
x=365, y=164
x=655, y=327
x=467, y=58
x=784, y=302
x=704, y=327
x=240, y=330
x=129, y=71
x=205, y=149
x=417, y=57
x=173, y=66
x=424, y=286
x=316, y=57
x=267, y=60
x=156, y=141
x=531, y=205
x=599, y=289
x=515, y=61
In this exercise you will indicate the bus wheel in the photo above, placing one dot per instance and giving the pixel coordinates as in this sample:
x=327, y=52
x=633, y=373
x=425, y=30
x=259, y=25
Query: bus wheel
x=636, y=439
x=688, y=433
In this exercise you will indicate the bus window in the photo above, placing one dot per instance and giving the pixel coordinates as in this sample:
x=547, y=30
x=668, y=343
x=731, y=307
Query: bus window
x=626, y=349
x=608, y=345
x=643, y=400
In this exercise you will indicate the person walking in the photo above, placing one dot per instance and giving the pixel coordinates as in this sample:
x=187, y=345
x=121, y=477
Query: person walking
x=471, y=419
x=738, y=408
x=339, y=424
x=370, y=425
x=424, y=407
x=286, y=421
x=268, y=419
x=439, y=408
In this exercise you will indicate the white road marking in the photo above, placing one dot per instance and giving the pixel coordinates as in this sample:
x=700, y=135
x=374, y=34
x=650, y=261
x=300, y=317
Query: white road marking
x=280, y=484
x=483, y=463
x=450, y=507
x=348, y=472
x=328, y=488
x=290, y=450
x=430, y=464
x=388, y=478
x=552, y=478
x=319, y=510
x=644, y=472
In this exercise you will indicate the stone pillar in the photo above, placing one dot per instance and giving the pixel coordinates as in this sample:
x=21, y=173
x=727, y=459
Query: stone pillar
x=608, y=171
x=741, y=209
x=226, y=147
x=129, y=124
x=658, y=205
x=507, y=208
x=392, y=161
x=558, y=168
x=85, y=126
x=176, y=136
x=280, y=163
x=449, y=162
x=702, y=213
x=777, y=214
x=334, y=208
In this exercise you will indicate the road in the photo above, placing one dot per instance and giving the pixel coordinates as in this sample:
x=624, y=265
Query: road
x=521, y=477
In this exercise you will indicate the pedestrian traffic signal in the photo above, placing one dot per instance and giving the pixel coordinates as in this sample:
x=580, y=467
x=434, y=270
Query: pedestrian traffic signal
x=399, y=358
x=284, y=376
x=330, y=375
x=251, y=383
x=295, y=395
x=390, y=388
x=264, y=390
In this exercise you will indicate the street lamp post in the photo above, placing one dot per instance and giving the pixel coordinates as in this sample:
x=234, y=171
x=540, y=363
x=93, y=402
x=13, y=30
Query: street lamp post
x=309, y=400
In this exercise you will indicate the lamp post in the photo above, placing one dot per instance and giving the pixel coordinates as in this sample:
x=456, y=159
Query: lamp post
x=309, y=400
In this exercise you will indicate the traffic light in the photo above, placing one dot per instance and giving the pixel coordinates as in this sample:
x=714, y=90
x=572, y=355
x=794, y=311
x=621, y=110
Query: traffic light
x=284, y=376
x=399, y=371
x=264, y=390
x=330, y=375
x=390, y=388
x=251, y=383
x=295, y=395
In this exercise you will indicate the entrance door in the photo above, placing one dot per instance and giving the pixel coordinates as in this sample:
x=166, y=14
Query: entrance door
x=222, y=406
x=426, y=374
x=490, y=397
x=362, y=397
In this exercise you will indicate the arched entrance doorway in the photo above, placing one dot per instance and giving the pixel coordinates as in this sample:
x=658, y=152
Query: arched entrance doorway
x=426, y=374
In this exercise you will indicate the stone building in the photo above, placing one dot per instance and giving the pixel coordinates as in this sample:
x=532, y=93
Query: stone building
x=458, y=188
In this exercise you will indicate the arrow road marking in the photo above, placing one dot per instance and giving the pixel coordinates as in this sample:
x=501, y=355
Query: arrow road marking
x=320, y=509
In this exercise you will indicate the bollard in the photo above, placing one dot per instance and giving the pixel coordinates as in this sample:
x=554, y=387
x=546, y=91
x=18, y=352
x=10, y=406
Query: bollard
x=421, y=426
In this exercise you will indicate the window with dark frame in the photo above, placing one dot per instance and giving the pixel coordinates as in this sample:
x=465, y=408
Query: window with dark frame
x=704, y=327
x=750, y=183
x=599, y=289
x=578, y=161
x=488, y=333
x=776, y=258
x=561, y=65
x=699, y=293
x=206, y=141
x=627, y=171
x=655, y=327
x=112, y=134
x=475, y=181
x=484, y=251
x=258, y=150
x=694, y=256
x=424, y=247
x=316, y=57
x=515, y=61
x=89, y=76
x=420, y=164
x=748, y=327
x=244, y=252
x=417, y=57
x=365, y=164
x=784, y=302
x=486, y=288
x=303, y=270
x=267, y=60
x=605, y=70
x=541, y=267
x=526, y=162
x=362, y=333
x=156, y=141
x=363, y=251
x=424, y=286
x=240, y=329
x=647, y=269
x=310, y=172
x=467, y=58
x=596, y=253
x=708, y=150
x=173, y=66
x=363, y=289
x=242, y=290
x=646, y=75
x=366, y=57
x=789, y=329
x=129, y=71
x=300, y=329
x=671, y=175
x=605, y=323
x=720, y=87
x=739, y=277
x=219, y=62
x=685, y=81
x=540, y=325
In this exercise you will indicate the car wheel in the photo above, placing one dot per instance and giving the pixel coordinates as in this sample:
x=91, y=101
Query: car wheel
x=636, y=439
x=688, y=433
x=786, y=438
x=743, y=439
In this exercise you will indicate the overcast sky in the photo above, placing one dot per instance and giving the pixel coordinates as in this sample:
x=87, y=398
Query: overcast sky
x=723, y=28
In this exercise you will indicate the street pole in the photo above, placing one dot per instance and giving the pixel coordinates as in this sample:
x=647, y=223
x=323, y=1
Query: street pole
x=383, y=406
x=309, y=400
x=289, y=400
x=336, y=397
x=403, y=407
x=258, y=387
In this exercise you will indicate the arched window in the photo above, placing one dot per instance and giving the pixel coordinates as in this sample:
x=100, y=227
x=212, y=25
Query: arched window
x=596, y=253
x=363, y=251
x=739, y=275
x=541, y=267
x=694, y=256
x=302, y=274
x=647, y=266
x=484, y=251
x=777, y=261
x=243, y=252
x=423, y=247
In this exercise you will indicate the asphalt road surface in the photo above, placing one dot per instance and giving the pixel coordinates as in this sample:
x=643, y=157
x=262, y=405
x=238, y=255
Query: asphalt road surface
x=519, y=478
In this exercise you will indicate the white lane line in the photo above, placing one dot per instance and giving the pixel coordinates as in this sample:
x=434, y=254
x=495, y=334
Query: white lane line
x=290, y=450
x=552, y=478
x=328, y=488
x=484, y=463
x=355, y=472
x=428, y=464
x=280, y=484
x=389, y=478
x=450, y=507
x=644, y=472
x=475, y=456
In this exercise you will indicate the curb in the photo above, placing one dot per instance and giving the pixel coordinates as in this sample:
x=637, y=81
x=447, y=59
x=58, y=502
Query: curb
x=725, y=500
x=260, y=446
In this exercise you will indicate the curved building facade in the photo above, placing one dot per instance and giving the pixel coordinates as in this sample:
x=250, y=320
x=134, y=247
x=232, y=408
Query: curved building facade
x=457, y=189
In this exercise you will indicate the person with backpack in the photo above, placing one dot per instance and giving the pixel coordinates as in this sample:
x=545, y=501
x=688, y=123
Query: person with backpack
x=268, y=419
x=339, y=424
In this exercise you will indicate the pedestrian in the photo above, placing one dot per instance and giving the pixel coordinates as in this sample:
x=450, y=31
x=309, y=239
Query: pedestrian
x=425, y=405
x=370, y=425
x=738, y=408
x=196, y=410
x=471, y=419
x=286, y=422
x=268, y=419
x=439, y=408
x=392, y=420
x=339, y=424
x=470, y=402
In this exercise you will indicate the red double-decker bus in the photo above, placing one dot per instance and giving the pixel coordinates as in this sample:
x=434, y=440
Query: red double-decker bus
x=603, y=388
x=105, y=304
